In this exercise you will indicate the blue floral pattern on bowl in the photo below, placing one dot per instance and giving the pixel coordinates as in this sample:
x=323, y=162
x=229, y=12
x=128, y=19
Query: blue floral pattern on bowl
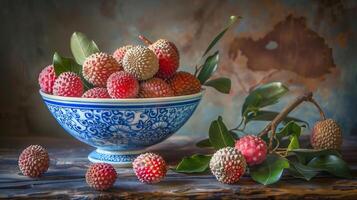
x=121, y=128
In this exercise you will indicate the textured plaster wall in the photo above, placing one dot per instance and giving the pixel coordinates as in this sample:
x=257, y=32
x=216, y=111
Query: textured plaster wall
x=308, y=45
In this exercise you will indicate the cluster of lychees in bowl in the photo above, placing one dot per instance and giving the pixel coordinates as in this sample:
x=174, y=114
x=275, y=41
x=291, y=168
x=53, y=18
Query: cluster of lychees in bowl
x=130, y=72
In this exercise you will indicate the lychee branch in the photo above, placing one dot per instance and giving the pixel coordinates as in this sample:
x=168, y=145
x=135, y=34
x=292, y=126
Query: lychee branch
x=271, y=127
x=145, y=40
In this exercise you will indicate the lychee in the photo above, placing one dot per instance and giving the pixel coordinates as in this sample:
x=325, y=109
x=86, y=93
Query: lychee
x=168, y=55
x=120, y=53
x=326, y=134
x=155, y=87
x=46, y=79
x=96, y=92
x=228, y=165
x=34, y=161
x=184, y=83
x=98, y=67
x=122, y=85
x=141, y=62
x=101, y=176
x=253, y=148
x=150, y=168
x=68, y=84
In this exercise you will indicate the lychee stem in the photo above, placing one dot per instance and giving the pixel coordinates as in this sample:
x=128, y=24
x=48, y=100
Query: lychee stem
x=145, y=40
x=281, y=116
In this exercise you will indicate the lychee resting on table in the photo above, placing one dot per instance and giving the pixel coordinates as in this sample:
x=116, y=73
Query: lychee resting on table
x=253, y=148
x=168, y=55
x=184, y=83
x=101, y=176
x=98, y=67
x=155, y=87
x=326, y=134
x=141, y=62
x=68, y=84
x=34, y=161
x=46, y=79
x=120, y=53
x=122, y=85
x=228, y=165
x=96, y=92
x=150, y=168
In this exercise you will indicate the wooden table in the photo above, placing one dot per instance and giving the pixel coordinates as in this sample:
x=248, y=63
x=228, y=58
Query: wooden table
x=65, y=178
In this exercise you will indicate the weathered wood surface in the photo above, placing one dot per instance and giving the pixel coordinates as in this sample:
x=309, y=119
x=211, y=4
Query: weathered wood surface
x=65, y=178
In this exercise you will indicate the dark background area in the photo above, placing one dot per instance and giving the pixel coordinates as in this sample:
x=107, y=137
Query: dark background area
x=308, y=45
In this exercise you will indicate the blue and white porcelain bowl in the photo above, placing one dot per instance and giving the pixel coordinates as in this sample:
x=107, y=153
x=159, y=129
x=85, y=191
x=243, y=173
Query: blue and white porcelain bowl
x=121, y=129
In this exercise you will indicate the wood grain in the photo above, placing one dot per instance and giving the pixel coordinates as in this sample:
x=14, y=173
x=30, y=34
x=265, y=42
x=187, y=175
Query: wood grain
x=65, y=178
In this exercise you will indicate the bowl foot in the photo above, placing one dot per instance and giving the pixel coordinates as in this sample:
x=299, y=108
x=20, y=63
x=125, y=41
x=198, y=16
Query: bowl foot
x=116, y=158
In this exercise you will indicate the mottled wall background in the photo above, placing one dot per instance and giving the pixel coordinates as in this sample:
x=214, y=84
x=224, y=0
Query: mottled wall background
x=308, y=45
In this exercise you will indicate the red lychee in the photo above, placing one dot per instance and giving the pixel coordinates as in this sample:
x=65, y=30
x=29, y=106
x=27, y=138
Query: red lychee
x=46, y=79
x=120, y=53
x=34, y=161
x=96, y=92
x=150, y=168
x=253, y=148
x=101, y=176
x=184, y=83
x=155, y=87
x=122, y=85
x=168, y=55
x=68, y=84
x=98, y=67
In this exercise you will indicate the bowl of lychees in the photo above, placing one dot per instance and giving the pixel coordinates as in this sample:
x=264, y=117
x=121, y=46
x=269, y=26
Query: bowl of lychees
x=119, y=103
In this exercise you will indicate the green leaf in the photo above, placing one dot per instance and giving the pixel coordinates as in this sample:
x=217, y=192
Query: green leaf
x=232, y=20
x=208, y=68
x=219, y=135
x=306, y=155
x=262, y=96
x=302, y=171
x=265, y=115
x=290, y=129
x=62, y=64
x=221, y=84
x=82, y=47
x=204, y=143
x=194, y=164
x=294, y=142
x=270, y=171
x=332, y=164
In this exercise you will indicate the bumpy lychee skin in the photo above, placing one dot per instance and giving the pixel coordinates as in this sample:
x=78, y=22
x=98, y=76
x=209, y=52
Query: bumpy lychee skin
x=34, y=161
x=253, y=149
x=68, y=84
x=184, y=83
x=122, y=85
x=326, y=134
x=150, y=168
x=98, y=67
x=46, y=79
x=96, y=92
x=155, y=87
x=120, y=53
x=168, y=55
x=141, y=62
x=101, y=176
x=228, y=165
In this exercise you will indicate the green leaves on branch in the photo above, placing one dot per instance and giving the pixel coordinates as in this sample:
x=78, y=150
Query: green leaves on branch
x=62, y=64
x=231, y=21
x=270, y=171
x=194, y=164
x=262, y=96
x=221, y=84
x=82, y=47
x=332, y=164
x=219, y=135
x=208, y=68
